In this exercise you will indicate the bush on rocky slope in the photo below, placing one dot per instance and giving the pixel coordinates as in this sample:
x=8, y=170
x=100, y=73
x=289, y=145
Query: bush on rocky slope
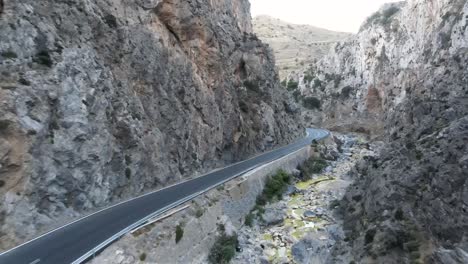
x=312, y=166
x=223, y=249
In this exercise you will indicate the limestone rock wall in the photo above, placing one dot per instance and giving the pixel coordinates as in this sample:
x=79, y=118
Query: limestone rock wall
x=103, y=100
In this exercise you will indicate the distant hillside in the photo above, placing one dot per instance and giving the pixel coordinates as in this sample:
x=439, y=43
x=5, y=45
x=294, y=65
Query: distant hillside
x=295, y=45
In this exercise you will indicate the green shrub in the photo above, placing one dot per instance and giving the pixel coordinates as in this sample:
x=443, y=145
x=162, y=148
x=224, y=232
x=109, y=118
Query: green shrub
x=249, y=219
x=297, y=95
x=128, y=173
x=388, y=14
x=383, y=18
x=274, y=189
x=292, y=85
x=346, y=92
x=143, y=256
x=243, y=107
x=9, y=55
x=111, y=21
x=308, y=78
x=336, y=78
x=399, y=215
x=311, y=103
x=252, y=85
x=311, y=167
x=276, y=186
x=43, y=58
x=419, y=155
x=317, y=83
x=334, y=204
x=23, y=81
x=128, y=160
x=284, y=83
x=223, y=250
x=199, y=213
x=179, y=233
x=369, y=237
x=259, y=208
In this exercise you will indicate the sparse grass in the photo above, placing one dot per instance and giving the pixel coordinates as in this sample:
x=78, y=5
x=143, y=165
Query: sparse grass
x=306, y=184
x=179, y=233
x=223, y=250
x=268, y=237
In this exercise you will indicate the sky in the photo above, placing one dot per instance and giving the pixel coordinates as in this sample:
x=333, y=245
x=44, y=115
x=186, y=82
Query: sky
x=338, y=15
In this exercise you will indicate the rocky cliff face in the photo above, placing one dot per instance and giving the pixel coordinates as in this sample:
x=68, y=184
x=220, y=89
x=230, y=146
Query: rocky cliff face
x=103, y=100
x=404, y=78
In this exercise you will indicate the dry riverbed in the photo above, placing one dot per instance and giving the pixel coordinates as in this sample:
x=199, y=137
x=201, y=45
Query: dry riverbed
x=302, y=228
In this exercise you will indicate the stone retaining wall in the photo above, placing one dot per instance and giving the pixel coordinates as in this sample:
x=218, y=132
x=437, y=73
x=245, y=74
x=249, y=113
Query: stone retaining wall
x=227, y=205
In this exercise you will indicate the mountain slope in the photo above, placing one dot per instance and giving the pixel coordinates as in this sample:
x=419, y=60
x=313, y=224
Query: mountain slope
x=295, y=45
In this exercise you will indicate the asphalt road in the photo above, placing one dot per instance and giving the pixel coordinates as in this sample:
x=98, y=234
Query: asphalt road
x=75, y=242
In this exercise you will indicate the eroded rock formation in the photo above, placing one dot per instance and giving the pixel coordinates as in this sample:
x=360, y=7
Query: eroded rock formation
x=404, y=78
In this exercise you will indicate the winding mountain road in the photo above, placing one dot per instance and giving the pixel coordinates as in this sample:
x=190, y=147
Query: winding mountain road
x=79, y=240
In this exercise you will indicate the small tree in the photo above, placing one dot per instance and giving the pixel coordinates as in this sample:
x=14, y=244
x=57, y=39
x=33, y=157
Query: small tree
x=311, y=103
x=224, y=249
x=179, y=233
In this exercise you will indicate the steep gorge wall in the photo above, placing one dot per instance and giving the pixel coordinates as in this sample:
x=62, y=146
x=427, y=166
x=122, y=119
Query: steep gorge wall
x=103, y=100
x=367, y=79
x=404, y=78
